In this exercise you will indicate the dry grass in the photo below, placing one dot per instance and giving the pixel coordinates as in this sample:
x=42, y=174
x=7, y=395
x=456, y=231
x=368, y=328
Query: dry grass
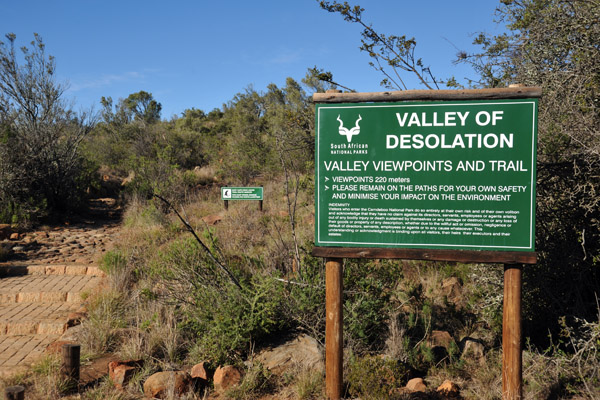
x=136, y=319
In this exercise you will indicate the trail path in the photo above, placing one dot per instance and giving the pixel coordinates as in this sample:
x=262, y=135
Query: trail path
x=41, y=286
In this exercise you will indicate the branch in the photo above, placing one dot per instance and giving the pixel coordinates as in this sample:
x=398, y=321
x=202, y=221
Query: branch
x=193, y=232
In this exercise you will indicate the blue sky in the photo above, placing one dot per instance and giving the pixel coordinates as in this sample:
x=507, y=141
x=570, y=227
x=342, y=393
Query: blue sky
x=201, y=53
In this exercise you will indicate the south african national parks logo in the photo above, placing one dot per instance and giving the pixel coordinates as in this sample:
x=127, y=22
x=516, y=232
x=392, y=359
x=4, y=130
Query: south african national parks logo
x=349, y=133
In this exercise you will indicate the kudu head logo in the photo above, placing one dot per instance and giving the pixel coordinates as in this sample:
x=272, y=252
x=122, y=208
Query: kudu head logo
x=349, y=132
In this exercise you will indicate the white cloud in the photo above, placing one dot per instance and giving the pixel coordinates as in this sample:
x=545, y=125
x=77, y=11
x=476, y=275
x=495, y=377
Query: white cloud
x=105, y=80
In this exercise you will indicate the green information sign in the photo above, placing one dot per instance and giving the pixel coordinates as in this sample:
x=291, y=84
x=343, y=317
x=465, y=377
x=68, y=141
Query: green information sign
x=438, y=175
x=241, y=193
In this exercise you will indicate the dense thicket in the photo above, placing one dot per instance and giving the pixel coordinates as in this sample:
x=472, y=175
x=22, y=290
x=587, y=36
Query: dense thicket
x=554, y=44
x=254, y=136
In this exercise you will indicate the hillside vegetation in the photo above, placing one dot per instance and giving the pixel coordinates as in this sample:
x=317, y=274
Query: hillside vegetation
x=250, y=279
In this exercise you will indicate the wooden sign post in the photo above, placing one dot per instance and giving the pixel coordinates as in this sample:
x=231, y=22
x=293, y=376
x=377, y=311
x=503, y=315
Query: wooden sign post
x=512, y=351
x=334, y=326
x=427, y=175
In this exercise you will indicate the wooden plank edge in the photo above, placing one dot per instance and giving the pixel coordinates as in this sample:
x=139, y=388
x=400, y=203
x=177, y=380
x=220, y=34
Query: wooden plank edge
x=463, y=256
x=405, y=95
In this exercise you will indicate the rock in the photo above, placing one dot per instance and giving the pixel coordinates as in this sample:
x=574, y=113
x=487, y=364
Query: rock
x=449, y=389
x=200, y=376
x=6, y=247
x=212, y=219
x=120, y=372
x=302, y=351
x=441, y=339
x=200, y=371
x=75, y=318
x=416, y=385
x=163, y=384
x=14, y=236
x=452, y=289
x=56, y=347
x=473, y=348
x=5, y=231
x=226, y=377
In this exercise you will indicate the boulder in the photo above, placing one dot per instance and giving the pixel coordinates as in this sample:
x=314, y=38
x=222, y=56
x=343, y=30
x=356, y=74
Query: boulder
x=449, y=389
x=303, y=351
x=473, y=349
x=5, y=231
x=163, y=385
x=14, y=236
x=120, y=372
x=200, y=375
x=212, y=219
x=56, y=347
x=226, y=377
x=416, y=385
x=452, y=289
x=200, y=371
x=441, y=339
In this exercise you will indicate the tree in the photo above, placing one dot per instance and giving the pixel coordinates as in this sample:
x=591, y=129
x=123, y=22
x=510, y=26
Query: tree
x=143, y=107
x=392, y=55
x=40, y=165
x=554, y=44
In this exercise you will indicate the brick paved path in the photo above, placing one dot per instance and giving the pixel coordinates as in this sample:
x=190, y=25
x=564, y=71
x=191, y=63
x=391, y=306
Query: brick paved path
x=42, y=283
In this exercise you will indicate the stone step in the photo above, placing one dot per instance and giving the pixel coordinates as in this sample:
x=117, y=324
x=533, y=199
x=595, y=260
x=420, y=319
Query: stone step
x=20, y=350
x=50, y=269
x=45, y=288
x=35, y=318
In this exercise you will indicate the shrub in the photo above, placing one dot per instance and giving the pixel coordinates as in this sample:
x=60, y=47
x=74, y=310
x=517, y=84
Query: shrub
x=375, y=378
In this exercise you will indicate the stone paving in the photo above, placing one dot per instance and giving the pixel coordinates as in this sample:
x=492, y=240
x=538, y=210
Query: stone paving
x=42, y=284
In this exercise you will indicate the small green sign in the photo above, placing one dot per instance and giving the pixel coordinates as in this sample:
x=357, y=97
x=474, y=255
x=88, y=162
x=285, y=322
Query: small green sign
x=241, y=193
x=439, y=175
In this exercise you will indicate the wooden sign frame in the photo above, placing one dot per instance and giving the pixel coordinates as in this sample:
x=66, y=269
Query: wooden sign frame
x=513, y=260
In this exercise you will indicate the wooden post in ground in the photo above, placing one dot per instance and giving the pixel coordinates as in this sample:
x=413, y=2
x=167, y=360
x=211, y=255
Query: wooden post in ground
x=260, y=205
x=14, y=393
x=226, y=203
x=71, y=362
x=512, y=352
x=334, y=335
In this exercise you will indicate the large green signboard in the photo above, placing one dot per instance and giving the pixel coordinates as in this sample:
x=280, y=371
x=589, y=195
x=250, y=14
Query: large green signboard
x=438, y=175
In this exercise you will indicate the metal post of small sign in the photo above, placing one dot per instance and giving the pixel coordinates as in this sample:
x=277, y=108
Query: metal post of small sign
x=435, y=175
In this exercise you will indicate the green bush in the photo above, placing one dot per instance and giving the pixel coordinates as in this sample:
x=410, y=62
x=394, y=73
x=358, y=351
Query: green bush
x=368, y=286
x=375, y=378
x=227, y=321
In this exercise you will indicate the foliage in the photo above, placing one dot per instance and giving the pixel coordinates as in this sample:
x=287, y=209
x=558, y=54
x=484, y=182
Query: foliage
x=392, y=55
x=143, y=107
x=106, y=315
x=256, y=381
x=41, y=167
x=553, y=44
x=221, y=319
x=368, y=287
x=373, y=377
